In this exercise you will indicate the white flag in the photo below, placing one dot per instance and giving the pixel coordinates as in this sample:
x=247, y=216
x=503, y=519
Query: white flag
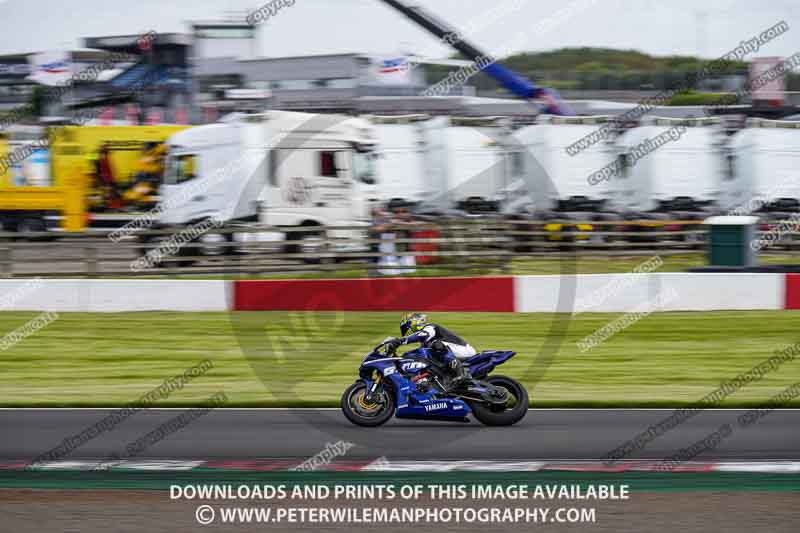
x=51, y=68
x=395, y=70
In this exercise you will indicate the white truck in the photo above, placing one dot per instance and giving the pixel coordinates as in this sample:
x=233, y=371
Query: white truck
x=689, y=164
x=467, y=159
x=401, y=159
x=279, y=168
x=767, y=154
x=549, y=172
x=441, y=162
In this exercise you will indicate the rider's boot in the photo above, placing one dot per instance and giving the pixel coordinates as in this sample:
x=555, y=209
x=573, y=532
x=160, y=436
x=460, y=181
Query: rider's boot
x=463, y=382
x=461, y=377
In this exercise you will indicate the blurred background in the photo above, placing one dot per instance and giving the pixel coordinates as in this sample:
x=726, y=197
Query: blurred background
x=314, y=157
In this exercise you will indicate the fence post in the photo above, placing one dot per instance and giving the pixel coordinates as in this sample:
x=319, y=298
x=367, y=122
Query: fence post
x=91, y=259
x=509, y=248
x=327, y=247
x=6, y=264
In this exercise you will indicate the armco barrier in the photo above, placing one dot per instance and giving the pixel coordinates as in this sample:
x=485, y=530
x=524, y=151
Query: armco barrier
x=585, y=292
x=566, y=294
x=720, y=291
x=378, y=294
x=100, y=295
x=792, y=288
x=582, y=293
x=622, y=293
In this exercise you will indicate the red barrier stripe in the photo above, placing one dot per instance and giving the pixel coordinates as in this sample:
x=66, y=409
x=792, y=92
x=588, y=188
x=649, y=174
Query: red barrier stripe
x=792, y=292
x=390, y=294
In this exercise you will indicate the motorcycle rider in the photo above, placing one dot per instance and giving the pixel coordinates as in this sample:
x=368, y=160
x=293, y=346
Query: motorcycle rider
x=445, y=345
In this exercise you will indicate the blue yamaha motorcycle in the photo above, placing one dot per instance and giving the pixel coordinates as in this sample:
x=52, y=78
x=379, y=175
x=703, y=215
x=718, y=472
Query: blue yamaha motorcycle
x=416, y=385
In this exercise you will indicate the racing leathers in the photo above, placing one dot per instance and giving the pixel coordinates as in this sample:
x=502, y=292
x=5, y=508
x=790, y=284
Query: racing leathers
x=445, y=346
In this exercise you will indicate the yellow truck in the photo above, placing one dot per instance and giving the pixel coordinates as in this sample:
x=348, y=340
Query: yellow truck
x=5, y=177
x=74, y=148
x=108, y=170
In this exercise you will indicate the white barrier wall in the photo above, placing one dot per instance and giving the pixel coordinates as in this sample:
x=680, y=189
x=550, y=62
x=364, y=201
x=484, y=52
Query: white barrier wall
x=622, y=293
x=93, y=295
x=581, y=293
x=718, y=291
x=616, y=293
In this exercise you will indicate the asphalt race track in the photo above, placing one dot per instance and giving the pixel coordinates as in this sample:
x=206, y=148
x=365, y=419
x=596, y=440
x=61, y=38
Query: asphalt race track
x=584, y=434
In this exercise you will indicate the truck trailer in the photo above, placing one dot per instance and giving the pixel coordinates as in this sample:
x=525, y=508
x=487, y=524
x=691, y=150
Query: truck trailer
x=767, y=154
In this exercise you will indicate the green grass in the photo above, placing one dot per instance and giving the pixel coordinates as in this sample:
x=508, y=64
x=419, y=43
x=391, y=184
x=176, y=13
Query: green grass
x=523, y=266
x=275, y=358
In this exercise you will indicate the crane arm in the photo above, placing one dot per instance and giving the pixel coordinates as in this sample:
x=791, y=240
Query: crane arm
x=516, y=84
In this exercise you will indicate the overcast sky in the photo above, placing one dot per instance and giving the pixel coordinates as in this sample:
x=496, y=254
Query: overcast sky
x=710, y=27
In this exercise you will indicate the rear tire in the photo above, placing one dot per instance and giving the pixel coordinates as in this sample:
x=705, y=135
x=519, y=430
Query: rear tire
x=509, y=416
x=363, y=414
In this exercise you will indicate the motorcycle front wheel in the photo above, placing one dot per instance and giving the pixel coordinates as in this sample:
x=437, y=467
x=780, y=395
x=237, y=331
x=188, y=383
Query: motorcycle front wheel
x=506, y=415
x=365, y=413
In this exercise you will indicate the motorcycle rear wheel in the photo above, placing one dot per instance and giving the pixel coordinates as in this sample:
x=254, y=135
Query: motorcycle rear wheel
x=363, y=413
x=490, y=416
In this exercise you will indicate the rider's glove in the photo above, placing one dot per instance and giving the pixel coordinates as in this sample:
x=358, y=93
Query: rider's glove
x=393, y=344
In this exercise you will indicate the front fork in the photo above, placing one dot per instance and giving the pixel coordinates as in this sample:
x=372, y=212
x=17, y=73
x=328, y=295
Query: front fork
x=372, y=388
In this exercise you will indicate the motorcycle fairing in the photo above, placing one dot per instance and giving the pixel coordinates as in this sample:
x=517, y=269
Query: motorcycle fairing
x=481, y=364
x=410, y=402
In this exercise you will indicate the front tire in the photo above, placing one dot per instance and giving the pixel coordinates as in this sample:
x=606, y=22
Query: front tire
x=508, y=415
x=363, y=413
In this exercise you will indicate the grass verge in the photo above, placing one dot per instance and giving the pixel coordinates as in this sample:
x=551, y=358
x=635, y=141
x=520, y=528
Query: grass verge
x=584, y=264
x=665, y=359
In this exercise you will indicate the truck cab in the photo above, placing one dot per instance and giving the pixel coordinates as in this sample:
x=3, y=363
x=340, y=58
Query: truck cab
x=320, y=177
x=278, y=168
